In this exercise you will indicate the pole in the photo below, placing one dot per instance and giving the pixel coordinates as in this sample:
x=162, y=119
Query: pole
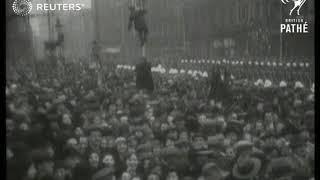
x=280, y=32
x=49, y=22
x=123, y=30
x=144, y=50
x=183, y=29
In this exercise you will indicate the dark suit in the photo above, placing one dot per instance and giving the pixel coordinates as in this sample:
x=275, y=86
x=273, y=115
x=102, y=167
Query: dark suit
x=219, y=87
x=144, y=77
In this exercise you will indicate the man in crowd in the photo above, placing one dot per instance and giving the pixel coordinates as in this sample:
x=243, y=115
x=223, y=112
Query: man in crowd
x=144, y=78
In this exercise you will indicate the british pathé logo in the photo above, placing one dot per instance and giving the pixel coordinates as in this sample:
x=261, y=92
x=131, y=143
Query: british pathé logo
x=297, y=5
x=297, y=24
x=22, y=7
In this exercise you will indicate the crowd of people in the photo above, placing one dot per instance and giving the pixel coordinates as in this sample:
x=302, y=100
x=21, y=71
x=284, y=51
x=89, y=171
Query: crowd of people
x=85, y=122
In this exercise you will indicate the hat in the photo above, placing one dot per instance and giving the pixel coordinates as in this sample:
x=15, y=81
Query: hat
x=145, y=155
x=218, y=122
x=120, y=140
x=144, y=147
x=135, y=129
x=267, y=83
x=310, y=98
x=105, y=174
x=58, y=23
x=210, y=167
x=297, y=141
x=249, y=168
x=40, y=155
x=312, y=88
x=283, y=84
x=198, y=134
x=60, y=99
x=281, y=167
x=234, y=126
x=259, y=82
x=298, y=85
x=72, y=141
x=242, y=145
x=182, y=143
x=205, y=74
x=216, y=140
x=171, y=151
x=60, y=164
x=309, y=113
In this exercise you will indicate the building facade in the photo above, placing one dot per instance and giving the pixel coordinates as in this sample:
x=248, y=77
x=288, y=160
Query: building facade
x=201, y=29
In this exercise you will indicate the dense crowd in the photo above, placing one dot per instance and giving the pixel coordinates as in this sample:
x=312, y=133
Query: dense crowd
x=84, y=122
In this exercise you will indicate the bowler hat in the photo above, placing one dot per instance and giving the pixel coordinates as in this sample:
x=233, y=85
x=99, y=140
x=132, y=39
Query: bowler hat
x=249, y=169
x=210, y=167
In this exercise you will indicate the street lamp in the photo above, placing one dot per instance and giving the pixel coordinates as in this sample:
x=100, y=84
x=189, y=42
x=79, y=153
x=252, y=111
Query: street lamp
x=60, y=37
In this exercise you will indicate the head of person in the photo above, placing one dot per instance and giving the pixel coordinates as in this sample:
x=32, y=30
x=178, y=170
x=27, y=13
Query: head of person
x=72, y=143
x=170, y=142
x=83, y=144
x=32, y=171
x=104, y=143
x=136, y=178
x=212, y=171
x=124, y=120
x=125, y=176
x=198, y=142
x=172, y=175
x=10, y=125
x=108, y=160
x=94, y=160
x=121, y=144
x=66, y=120
x=132, y=161
x=60, y=173
x=46, y=167
x=72, y=161
x=173, y=134
x=156, y=150
x=95, y=139
x=78, y=132
x=153, y=176
x=110, y=141
x=143, y=59
x=24, y=126
x=164, y=126
x=9, y=154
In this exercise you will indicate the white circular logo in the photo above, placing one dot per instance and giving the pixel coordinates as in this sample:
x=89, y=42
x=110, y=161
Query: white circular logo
x=22, y=7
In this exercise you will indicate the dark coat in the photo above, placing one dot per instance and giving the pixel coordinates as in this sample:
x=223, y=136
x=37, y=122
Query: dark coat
x=219, y=87
x=144, y=78
x=84, y=172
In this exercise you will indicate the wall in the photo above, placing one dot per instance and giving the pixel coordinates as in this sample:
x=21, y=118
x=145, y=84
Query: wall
x=77, y=29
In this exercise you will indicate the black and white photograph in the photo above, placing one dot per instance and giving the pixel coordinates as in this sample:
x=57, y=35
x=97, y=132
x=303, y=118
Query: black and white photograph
x=160, y=89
